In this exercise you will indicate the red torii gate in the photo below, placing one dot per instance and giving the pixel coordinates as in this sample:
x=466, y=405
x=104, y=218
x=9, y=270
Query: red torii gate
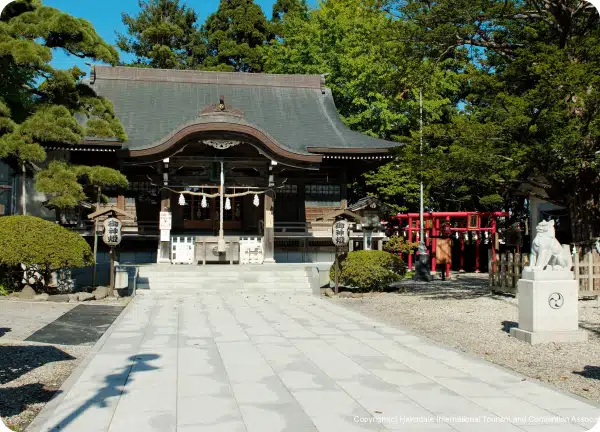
x=433, y=231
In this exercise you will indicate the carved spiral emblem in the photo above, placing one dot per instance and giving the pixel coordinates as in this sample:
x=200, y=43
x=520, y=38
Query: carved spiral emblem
x=556, y=300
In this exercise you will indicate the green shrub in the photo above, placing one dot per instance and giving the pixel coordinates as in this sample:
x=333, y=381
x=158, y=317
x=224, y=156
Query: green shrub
x=369, y=270
x=397, y=245
x=40, y=246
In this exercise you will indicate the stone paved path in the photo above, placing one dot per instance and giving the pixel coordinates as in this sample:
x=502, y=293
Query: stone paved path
x=283, y=362
x=19, y=319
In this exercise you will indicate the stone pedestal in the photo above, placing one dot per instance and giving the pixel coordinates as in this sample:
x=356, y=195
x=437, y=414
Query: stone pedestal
x=422, y=269
x=548, y=308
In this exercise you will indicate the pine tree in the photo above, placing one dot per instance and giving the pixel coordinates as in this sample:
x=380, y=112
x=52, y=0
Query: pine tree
x=67, y=185
x=163, y=35
x=40, y=104
x=235, y=36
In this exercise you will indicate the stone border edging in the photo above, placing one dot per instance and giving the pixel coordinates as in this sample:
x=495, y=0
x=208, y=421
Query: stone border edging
x=52, y=404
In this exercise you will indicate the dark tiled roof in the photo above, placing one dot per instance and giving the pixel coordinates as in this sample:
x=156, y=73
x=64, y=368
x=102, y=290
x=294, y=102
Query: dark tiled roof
x=296, y=110
x=365, y=202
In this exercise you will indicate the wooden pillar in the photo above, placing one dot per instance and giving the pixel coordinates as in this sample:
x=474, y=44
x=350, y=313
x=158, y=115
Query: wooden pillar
x=344, y=191
x=462, y=252
x=493, y=243
x=121, y=202
x=111, y=283
x=269, y=234
x=410, y=239
x=477, y=245
x=164, y=245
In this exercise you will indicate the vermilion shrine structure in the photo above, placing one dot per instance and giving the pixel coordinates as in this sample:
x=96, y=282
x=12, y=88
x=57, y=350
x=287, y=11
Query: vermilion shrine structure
x=460, y=226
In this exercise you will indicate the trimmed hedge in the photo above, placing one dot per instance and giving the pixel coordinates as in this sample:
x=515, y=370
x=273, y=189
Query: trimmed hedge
x=369, y=270
x=41, y=245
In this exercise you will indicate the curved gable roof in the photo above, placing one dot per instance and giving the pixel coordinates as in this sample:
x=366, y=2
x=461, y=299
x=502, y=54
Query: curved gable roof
x=295, y=110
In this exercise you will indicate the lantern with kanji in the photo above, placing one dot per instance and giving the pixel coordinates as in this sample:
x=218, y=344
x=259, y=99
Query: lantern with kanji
x=112, y=231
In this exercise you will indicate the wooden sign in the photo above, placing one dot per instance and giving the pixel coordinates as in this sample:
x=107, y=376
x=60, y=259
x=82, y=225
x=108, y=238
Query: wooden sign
x=340, y=234
x=473, y=222
x=165, y=221
x=112, y=232
x=443, y=251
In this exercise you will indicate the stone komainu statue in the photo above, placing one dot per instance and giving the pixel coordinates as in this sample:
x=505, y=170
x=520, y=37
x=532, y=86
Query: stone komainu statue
x=546, y=252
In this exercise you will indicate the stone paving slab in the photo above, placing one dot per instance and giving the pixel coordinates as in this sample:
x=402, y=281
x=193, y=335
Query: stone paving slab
x=20, y=319
x=292, y=362
x=82, y=325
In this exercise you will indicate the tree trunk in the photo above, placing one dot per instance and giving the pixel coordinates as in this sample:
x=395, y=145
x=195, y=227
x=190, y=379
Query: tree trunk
x=96, y=239
x=23, y=189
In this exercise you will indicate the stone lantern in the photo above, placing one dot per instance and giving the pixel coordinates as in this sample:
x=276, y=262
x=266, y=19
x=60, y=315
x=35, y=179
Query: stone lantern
x=370, y=222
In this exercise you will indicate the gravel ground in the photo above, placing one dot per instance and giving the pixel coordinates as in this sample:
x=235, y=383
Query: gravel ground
x=30, y=375
x=463, y=314
x=20, y=319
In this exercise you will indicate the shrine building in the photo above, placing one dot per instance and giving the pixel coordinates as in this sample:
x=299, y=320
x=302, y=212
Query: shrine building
x=224, y=167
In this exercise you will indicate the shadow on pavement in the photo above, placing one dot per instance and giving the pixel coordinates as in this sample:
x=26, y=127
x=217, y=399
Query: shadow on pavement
x=17, y=360
x=3, y=331
x=114, y=386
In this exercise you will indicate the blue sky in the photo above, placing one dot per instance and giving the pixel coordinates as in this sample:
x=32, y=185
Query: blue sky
x=106, y=17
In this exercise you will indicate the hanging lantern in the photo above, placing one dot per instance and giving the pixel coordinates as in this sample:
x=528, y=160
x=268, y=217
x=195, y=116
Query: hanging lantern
x=227, y=204
x=474, y=236
x=456, y=235
x=203, y=203
x=466, y=235
x=447, y=229
x=487, y=235
x=256, y=201
x=181, y=200
x=427, y=235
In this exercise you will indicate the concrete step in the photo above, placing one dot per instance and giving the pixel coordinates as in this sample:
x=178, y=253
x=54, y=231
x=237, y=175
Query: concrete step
x=151, y=283
x=224, y=267
x=220, y=288
x=231, y=273
x=224, y=278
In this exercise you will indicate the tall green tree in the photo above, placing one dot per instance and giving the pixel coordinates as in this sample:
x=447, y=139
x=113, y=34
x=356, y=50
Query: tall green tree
x=375, y=73
x=42, y=105
x=164, y=34
x=235, y=36
x=530, y=96
x=282, y=9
